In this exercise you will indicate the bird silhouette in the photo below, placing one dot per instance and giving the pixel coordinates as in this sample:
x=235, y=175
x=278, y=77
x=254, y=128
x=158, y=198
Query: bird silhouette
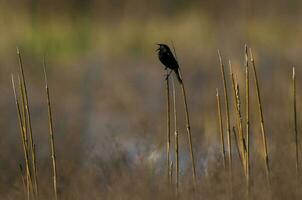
x=167, y=58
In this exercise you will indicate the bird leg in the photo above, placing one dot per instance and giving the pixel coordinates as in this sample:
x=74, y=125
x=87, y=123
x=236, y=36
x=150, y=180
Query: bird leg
x=168, y=74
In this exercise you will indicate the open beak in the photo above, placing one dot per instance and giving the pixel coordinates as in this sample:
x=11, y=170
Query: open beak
x=158, y=47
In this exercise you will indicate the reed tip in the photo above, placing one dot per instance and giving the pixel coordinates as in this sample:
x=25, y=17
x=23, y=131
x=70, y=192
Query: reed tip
x=219, y=55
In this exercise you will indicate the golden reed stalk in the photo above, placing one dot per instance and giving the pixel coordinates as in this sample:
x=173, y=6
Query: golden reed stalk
x=220, y=128
x=247, y=118
x=188, y=125
x=168, y=126
x=176, y=137
x=265, y=151
x=237, y=104
x=27, y=109
x=25, y=150
x=51, y=134
x=228, y=126
x=296, y=132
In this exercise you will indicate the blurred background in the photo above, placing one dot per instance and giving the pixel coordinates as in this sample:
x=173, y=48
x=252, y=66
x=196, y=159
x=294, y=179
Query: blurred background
x=108, y=91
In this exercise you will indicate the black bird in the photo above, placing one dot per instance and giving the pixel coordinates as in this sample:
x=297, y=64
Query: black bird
x=167, y=58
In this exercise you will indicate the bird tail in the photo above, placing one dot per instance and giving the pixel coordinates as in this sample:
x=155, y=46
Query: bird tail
x=178, y=75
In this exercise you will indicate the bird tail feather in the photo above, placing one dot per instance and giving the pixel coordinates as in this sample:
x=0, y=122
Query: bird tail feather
x=178, y=75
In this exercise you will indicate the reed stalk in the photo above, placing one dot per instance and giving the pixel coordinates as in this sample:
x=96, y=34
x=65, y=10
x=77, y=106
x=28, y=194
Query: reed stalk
x=23, y=113
x=25, y=150
x=188, y=125
x=263, y=133
x=296, y=131
x=176, y=137
x=29, y=126
x=247, y=118
x=228, y=126
x=171, y=172
x=168, y=126
x=51, y=134
x=236, y=140
x=237, y=104
x=220, y=128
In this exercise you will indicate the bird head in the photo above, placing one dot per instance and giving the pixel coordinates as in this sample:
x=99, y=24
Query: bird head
x=162, y=47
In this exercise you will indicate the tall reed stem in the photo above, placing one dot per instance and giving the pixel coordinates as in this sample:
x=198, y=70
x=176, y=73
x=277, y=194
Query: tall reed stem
x=33, y=156
x=168, y=126
x=25, y=150
x=171, y=172
x=176, y=137
x=265, y=151
x=296, y=132
x=228, y=127
x=188, y=125
x=240, y=139
x=220, y=128
x=247, y=118
x=51, y=134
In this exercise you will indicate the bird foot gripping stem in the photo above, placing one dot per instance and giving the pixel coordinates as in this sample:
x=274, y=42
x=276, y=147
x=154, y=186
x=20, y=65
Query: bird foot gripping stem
x=168, y=74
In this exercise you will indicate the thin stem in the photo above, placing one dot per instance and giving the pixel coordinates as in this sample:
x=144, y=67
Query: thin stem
x=168, y=126
x=24, y=133
x=265, y=152
x=188, y=125
x=33, y=156
x=236, y=140
x=171, y=172
x=296, y=131
x=220, y=128
x=176, y=137
x=247, y=126
x=228, y=126
x=237, y=104
x=25, y=150
x=189, y=132
x=51, y=133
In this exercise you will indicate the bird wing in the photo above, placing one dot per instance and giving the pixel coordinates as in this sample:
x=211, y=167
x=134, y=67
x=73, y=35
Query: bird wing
x=172, y=60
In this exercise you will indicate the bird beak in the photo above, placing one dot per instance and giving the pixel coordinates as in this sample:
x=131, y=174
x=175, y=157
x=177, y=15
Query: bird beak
x=158, y=47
